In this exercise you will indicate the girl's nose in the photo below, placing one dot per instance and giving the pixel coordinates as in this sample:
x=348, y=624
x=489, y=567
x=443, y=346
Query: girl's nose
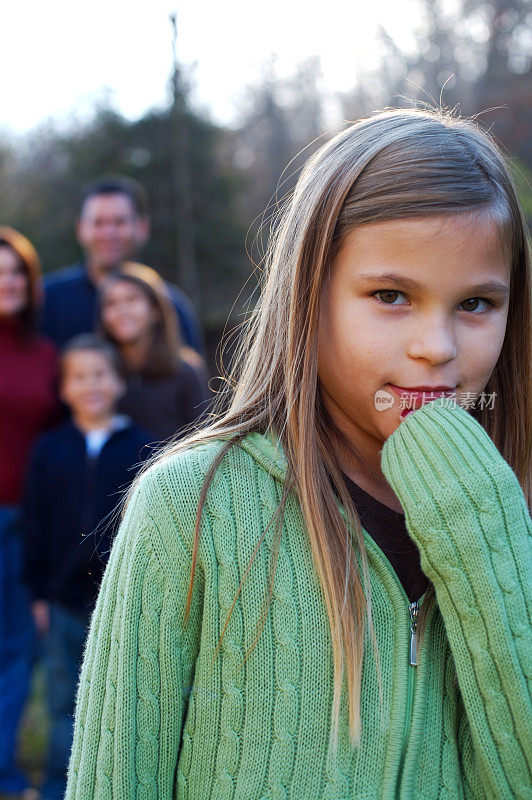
x=434, y=340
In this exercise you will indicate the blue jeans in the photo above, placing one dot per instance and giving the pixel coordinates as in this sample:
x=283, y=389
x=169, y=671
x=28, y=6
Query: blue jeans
x=17, y=648
x=62, y=655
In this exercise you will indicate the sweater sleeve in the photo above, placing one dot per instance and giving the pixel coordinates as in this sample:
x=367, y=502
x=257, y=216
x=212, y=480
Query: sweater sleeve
x=139, y=658
x=466, y=511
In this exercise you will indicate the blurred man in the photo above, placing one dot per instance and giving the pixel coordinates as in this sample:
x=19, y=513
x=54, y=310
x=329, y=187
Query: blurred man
x=112, y=226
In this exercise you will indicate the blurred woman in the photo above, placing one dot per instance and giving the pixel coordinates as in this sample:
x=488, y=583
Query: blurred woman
x=28, y=404
x=166, y=383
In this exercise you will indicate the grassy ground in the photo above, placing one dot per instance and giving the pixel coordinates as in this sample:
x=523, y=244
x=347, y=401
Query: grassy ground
x=34, y=732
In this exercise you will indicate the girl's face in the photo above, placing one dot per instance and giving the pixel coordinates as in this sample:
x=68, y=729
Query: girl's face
x=127, y=313
x=14, y=288
x=406, y=304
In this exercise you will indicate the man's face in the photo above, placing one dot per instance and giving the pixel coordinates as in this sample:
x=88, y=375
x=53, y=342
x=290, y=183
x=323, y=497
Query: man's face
x=110, y=231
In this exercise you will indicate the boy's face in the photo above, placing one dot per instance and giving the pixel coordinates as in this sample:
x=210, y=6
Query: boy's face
x=90, y=385
x=377, y=333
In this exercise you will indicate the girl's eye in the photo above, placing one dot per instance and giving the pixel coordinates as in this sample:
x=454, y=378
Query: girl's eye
x=388, y=296
x=475, y=301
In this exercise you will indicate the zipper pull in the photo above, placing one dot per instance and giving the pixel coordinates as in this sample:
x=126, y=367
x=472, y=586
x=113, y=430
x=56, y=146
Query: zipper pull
x=414, y=614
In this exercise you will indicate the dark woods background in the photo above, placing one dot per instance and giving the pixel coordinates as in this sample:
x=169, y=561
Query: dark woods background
x=208, y=185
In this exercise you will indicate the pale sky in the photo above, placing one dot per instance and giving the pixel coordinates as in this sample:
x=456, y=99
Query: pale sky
x=56, y=56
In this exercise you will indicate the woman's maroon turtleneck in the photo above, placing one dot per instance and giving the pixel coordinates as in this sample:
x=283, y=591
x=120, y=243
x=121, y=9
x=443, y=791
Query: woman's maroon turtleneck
x=28, y=401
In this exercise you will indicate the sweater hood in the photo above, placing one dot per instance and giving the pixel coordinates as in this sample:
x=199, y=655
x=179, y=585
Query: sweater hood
x=267, y=450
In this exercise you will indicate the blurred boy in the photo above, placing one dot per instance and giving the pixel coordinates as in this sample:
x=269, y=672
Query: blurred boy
x=77, y=475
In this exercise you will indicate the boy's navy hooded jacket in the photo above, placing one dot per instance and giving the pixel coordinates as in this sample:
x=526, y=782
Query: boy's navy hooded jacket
x=70, y=511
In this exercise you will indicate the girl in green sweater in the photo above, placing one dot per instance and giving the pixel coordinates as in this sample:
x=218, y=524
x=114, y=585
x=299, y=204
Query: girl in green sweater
x=326, y=593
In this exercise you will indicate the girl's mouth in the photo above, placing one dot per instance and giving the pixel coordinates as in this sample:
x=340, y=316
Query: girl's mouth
x=415, y=397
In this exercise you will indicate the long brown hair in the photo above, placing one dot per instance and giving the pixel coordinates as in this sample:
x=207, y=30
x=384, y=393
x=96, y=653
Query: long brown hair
x=165, y=351
x=31, y=264
x=396, y=164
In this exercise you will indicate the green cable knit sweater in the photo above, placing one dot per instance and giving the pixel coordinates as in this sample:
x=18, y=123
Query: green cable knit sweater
x=159, y=716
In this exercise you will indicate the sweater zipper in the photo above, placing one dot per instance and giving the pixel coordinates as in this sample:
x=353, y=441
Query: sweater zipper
x=414, y=614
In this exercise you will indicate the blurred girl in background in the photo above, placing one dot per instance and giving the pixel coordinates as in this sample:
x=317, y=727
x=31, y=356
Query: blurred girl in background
x=166, y=383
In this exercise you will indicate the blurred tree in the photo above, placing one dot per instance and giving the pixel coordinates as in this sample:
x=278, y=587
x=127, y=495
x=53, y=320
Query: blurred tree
x=8, y=169
x=474, y=54
x=263, y=144
x=523, y=181
x=281, y=123
x=507, y=77
x=45, y=171
x=181, y=172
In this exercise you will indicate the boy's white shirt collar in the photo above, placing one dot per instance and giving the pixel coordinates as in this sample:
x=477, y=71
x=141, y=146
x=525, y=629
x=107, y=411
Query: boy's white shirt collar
x=96, y=439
